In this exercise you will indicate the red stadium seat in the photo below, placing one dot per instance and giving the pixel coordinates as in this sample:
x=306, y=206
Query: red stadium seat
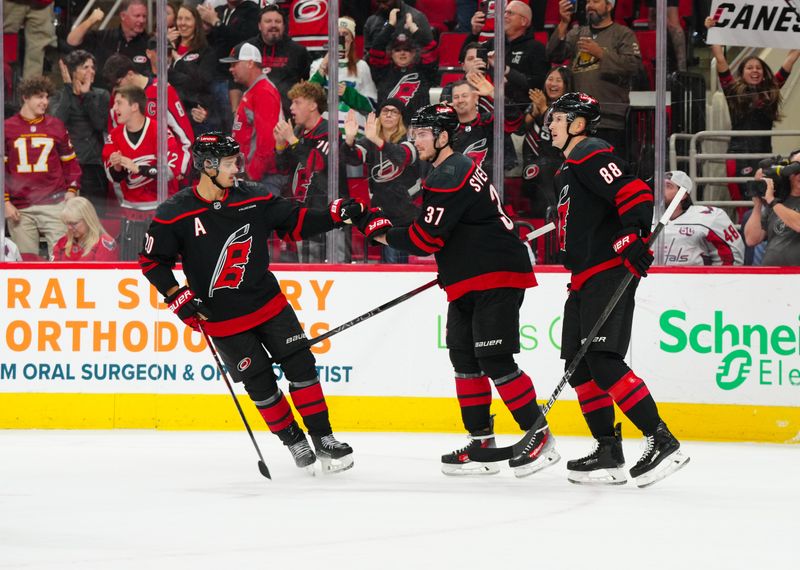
x=541, y=37
x=551, y=17
x=359, y=47
x=441, y=13
x=449, y=48
x=10, y=48
x=647, y=46
x=449, y=77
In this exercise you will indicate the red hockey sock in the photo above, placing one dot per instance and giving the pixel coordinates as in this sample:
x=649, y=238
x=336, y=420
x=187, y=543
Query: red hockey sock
x=475, y=399
x=278, y=415
x=632, y=396
x=520, y=399
x=309, y=401
x=597, y=408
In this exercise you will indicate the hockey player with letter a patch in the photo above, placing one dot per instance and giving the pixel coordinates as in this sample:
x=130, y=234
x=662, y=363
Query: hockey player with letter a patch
x=604, y=219
x=220, y=231
x=484, y=269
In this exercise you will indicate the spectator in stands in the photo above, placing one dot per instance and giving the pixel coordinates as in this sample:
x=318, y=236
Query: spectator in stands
x=776, y=218
x=303, y=150
x=698, y=235
x=256, y=117
x=191, y=70
x=130, y=159
x=754, y=101
x=86, y=239
x=35, y=17
x=119, y=71
x=285, y=62
x=83, y=109
x=392, y=166
x=130, y=39
x=384, y=21
x=674, y=29
x=228, y=25
x=540, y=158
x=604, y=56
x=470, y=61
x=356, y=89
x=525, y=61
x=42, y=171
x=405, y=72
x=11, y=251
x=474, y=137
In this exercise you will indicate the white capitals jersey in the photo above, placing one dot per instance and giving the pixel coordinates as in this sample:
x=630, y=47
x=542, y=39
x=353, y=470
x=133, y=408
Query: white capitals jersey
x=703, y=235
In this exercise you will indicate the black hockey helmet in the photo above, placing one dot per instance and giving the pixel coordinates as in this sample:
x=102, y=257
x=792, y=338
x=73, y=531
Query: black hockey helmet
x=213, y=146
x=576, y=105
x=441, y=117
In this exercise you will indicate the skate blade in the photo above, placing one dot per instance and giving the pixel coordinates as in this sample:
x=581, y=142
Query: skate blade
x=330, y=466
x=545, y=460
x=471, y=469
x=613, y=476
x=663, y=470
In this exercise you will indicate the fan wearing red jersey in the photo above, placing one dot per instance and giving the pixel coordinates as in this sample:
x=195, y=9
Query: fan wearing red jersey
x=42, y=170
x=220, y=230
x=130, y=159
x=604, y=219
x=484, y=269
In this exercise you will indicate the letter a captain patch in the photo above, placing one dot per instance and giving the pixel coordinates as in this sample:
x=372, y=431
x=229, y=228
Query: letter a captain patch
x=198, y=228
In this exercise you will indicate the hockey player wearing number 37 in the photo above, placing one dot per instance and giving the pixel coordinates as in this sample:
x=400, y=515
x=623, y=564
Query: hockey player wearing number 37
x=604, y=219
x=219, y=229
x=484, y=268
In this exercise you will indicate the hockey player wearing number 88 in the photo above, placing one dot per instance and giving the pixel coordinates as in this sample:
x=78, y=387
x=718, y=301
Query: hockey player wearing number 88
x=220, y=230
x=484, y=269
x=604, y=220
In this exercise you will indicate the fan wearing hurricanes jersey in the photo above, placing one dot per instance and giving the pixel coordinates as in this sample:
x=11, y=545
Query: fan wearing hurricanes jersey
x=604, y=219
x=484, y=269
x=220, y=230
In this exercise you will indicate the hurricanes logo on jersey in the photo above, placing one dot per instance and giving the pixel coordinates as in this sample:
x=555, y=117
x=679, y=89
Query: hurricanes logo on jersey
x=477, y=151
x=385, y=171
x=406, y=88
x=232, y=261
x=563, y=214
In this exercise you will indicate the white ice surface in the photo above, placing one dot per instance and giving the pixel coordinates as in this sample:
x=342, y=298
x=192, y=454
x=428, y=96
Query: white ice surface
x=173, y=500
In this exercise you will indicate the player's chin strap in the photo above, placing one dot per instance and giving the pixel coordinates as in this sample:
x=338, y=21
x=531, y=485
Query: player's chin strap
x=217, y=184
x=439, y=149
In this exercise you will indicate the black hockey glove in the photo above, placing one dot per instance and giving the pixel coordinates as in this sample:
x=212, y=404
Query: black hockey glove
x=636, y=256
x=189, y=308
x=373, y=223
x=346, y=210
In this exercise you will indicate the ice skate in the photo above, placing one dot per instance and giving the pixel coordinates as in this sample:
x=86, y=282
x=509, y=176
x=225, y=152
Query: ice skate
x=458, y=462
x=538, y=453
x=334, y=456
x=294, y=438
x=603, y=465
x=661, y=458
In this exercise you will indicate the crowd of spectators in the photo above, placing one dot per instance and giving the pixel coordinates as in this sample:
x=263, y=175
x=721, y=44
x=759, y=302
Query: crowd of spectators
x=262, y=73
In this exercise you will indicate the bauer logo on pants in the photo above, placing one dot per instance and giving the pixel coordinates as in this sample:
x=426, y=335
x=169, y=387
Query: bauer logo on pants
x=244, y=364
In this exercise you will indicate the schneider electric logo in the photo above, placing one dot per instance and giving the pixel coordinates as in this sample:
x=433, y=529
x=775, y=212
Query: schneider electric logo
x=746, y=350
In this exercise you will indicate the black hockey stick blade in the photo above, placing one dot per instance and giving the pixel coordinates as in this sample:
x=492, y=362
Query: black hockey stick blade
x=493, y=454
x=262, y=467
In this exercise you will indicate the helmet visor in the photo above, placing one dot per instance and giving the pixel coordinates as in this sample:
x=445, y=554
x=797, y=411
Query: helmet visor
x=231, y=164
x=421, y=133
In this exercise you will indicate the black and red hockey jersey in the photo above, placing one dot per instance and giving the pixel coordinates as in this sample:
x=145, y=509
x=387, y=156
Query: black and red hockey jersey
x=475, y=139
x=463, y=224
x=598, y=197
x=224, y=251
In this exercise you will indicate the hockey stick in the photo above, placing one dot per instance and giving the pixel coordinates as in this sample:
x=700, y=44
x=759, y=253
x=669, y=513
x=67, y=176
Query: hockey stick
x=262, y=467
x=489, y=455
x=405, y=297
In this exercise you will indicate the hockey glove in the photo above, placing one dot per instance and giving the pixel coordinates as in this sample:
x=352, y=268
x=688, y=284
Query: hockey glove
x=633, y=249
x=346, y=210
x=189, y=308
x=373, y=223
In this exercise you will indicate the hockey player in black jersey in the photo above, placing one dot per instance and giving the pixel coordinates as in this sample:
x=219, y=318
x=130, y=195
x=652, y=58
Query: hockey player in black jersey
x=219, y=230
x=604, y=220
x=484, y=269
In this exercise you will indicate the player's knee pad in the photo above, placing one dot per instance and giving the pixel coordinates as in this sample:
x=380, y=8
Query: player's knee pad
x=606, y=367
x=581, y=375
x=261, y=386
x=300, y=367
x=464, y=362
x=498, y=365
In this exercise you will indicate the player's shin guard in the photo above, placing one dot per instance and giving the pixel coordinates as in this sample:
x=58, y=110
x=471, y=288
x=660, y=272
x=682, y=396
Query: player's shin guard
x=631, y=395
x=519, y=396
x=475, y=399
x=279, y=418
x=309, y=401
x=597, y=408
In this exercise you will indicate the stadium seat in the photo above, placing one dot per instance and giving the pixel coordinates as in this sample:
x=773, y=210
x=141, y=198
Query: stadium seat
x=449, y=77
x=10, y=48
x=647, y=46
x=441, y=13
x=359, y=47
x=541, y=37
x=449, y=48
x=551, y=17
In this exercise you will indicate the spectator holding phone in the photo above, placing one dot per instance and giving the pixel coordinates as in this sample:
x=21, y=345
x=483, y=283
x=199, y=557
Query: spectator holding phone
x=387, y=15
